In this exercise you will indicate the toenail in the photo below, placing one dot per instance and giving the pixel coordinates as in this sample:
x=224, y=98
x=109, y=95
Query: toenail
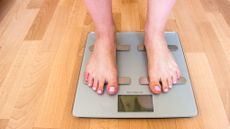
x=94, y=88
x=99, y=91
x=111, y=89
x=89, y=84
x=166, y=90
x=174, y=82
x=157, y=88
x=170, y=86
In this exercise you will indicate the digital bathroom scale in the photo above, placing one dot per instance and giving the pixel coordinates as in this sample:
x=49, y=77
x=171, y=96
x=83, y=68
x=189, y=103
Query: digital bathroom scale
x=134, y=100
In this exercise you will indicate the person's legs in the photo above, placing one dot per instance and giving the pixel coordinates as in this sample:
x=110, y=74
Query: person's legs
x=101, y=68
x=161, y=64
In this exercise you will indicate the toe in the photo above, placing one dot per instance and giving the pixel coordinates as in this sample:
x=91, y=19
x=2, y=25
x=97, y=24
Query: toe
x=90, y=81
x=178, y=74
x=100, y=86
x=164, y=82
x=154, y=86
x=112, y=87
x=86, y=77
x=170, y=83
x=95, y=84
x=174, y=78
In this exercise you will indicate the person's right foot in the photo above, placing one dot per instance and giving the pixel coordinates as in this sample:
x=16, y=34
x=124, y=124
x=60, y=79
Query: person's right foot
x=101, y=68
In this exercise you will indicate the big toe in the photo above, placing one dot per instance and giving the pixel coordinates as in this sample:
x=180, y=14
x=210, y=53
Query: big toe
x=112, y=87
x=155, y=86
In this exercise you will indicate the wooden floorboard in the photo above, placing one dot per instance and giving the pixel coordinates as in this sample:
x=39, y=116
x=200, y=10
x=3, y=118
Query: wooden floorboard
x=5, y=6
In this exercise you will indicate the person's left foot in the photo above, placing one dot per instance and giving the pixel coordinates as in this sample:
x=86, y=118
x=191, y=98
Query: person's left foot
x=161, y=64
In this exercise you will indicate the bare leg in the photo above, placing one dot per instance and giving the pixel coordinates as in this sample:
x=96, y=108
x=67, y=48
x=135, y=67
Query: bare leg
x=161, y=64
x=101, y=68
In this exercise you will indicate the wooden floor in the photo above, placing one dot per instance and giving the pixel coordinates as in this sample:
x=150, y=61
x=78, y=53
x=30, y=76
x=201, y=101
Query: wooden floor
x=41, y=47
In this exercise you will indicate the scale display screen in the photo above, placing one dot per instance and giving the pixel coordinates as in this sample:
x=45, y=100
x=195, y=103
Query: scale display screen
x=135, y=103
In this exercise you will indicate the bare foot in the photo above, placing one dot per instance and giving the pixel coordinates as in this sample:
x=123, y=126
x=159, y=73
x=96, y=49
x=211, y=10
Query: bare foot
x=163, y=71
x=101, y=68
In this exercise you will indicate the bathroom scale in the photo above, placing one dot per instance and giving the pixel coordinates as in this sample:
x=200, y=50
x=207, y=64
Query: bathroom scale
x=134, y=99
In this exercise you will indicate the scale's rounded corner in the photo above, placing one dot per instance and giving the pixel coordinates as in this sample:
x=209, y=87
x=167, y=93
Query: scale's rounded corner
x=194, y=114
x=75, y=114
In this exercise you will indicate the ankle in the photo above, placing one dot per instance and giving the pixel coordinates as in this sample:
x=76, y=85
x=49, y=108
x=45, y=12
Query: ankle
x=155, y=38
x=106, y=39
x=106, y=32
x=155, y=31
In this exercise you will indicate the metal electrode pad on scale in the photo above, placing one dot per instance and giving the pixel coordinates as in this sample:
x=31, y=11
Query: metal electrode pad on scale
x=134, y=100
